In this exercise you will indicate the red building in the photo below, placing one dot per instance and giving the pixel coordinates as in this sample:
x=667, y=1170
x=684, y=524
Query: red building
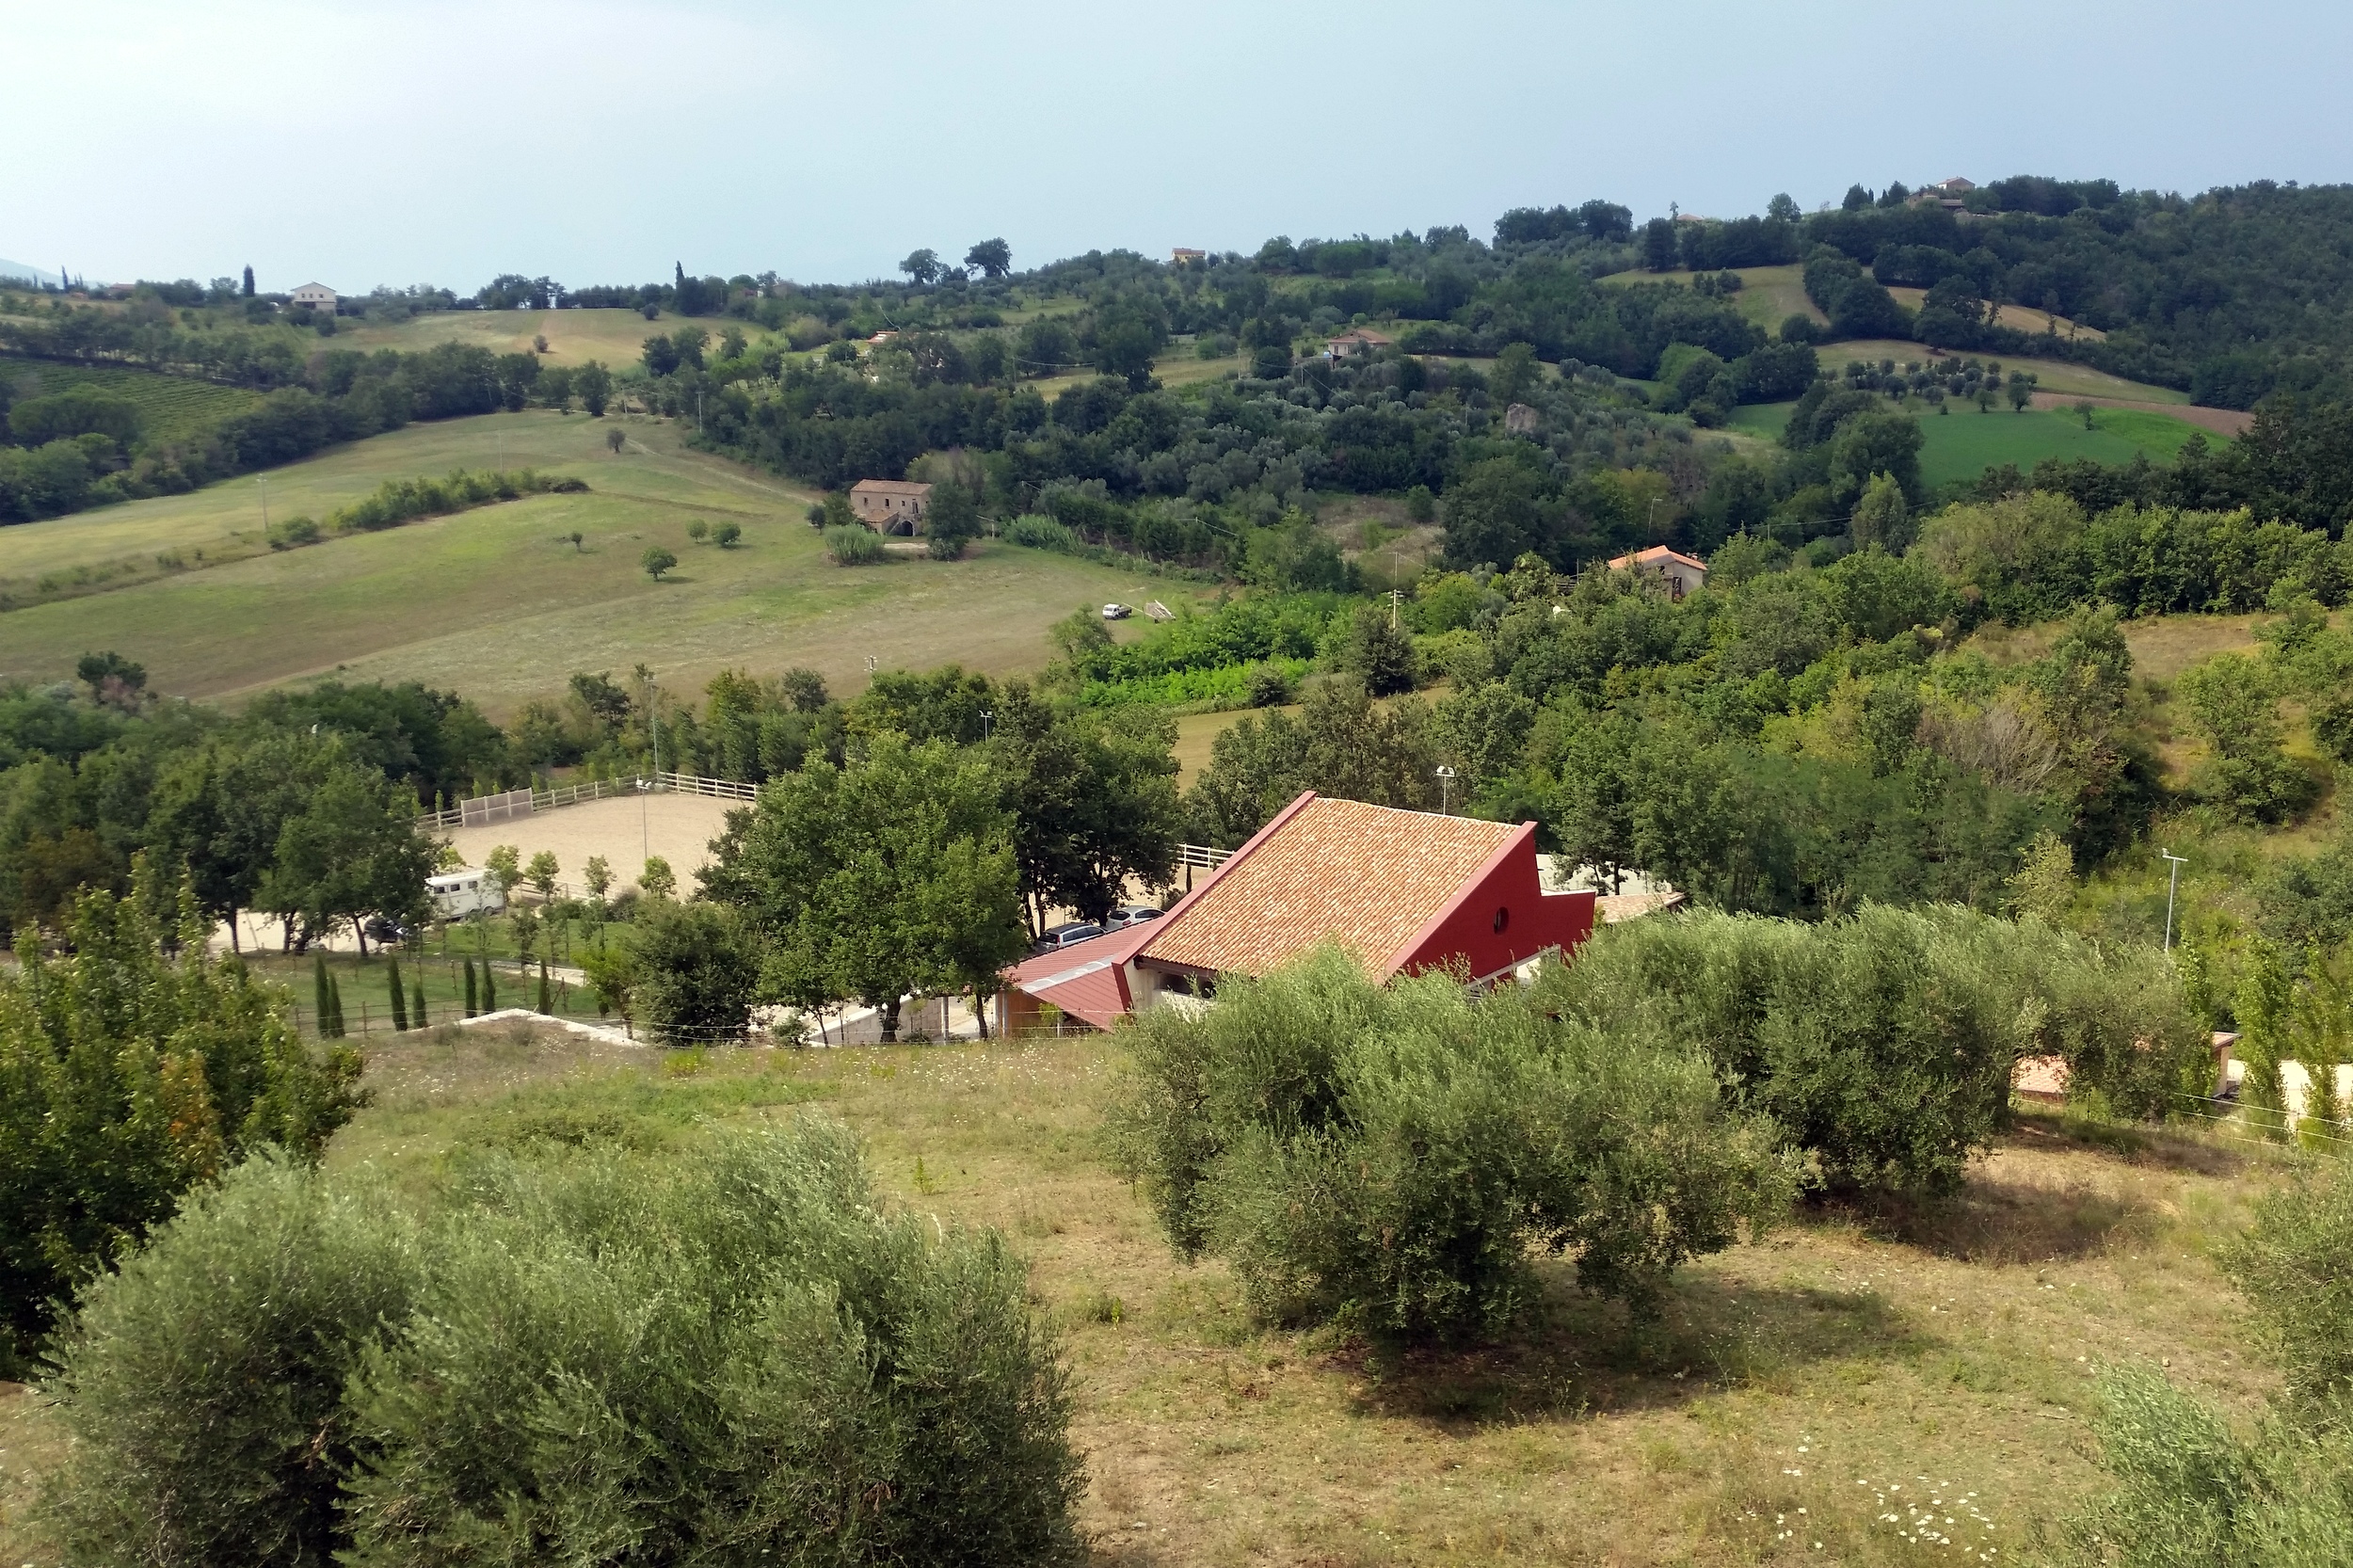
x=1403, y=892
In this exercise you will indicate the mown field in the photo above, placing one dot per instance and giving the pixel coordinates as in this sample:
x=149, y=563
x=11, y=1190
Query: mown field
x=1769, y=295
x=172, y=408
x=574, y=337
x=1794, y=1394
x=1963, y=444
x=499, y=604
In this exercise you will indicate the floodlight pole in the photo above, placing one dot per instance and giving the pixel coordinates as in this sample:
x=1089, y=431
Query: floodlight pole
x=985, y=716
x=263, y=482
x=2172, y=887
x=1446, y=791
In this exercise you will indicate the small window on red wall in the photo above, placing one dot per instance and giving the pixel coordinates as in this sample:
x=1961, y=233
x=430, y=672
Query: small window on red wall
x=1503, y=917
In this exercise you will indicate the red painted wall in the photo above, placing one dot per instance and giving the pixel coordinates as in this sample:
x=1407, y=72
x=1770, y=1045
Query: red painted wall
x=1537, y=921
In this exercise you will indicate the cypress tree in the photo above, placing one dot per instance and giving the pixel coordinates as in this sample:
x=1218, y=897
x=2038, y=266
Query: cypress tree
x=320, y=1004
x=472, y=1008
x=546, y=996
x=417, y=1018
x=489, y=987
x=334, y=1009
x=400, y=999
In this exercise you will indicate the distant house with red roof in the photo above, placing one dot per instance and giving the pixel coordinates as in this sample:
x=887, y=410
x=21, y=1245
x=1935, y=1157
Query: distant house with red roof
x=1402, y=891
x=1680, y=572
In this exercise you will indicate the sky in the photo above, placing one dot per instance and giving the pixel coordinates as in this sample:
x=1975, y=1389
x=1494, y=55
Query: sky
x=365, y=142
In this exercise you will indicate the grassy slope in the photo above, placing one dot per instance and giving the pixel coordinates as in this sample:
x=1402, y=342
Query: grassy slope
x=1769, y=295
x=2053, y=376
x=1949, y=1348
x=574, y=337
x=494, y=603
x=1963, y=444
x=172, y=408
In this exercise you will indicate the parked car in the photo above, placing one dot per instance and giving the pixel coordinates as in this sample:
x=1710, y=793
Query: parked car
x=1132, y=914
x=1068, y=935
x=390, y=933
x=1116, y=612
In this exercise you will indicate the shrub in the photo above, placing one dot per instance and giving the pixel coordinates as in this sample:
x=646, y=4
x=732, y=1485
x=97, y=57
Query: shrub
x=1884, y=1043
x=2192, y=1490
x=126, y=1077
x=202, y=1386
x=2291, y=1266
x=1035, y=532
x=854, y=547
x=293, y=533
x=399, y=501
x=693, y=968
x=722, y=1348
x=1385, y=1157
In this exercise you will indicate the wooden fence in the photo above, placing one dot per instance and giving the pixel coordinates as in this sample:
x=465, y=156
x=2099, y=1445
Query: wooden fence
x=512, y=804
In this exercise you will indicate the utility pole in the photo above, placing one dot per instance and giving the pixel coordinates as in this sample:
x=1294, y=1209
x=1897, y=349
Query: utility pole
x=2172, y=887
x=1397, y=597
x=986, y=717
x=1446, y=791
x=263, y=482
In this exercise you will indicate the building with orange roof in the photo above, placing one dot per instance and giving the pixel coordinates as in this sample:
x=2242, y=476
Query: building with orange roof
x=1682, y=574
x=1401, y=892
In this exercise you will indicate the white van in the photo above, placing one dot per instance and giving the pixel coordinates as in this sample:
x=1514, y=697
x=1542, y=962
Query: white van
x=459, y=893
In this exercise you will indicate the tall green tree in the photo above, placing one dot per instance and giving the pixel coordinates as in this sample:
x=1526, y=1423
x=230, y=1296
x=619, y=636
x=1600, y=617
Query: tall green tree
x=892, y=875
x=1092, y=798
x=351, y=853
x=132, y=1068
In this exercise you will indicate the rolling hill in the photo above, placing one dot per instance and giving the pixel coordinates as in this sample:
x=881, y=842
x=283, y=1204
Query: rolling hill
x=497, y=603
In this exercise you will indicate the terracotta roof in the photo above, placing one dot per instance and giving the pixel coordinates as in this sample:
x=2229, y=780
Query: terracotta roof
x=1656, y=553
x=1358, y=334
x=891, y=487
x=1370, y=877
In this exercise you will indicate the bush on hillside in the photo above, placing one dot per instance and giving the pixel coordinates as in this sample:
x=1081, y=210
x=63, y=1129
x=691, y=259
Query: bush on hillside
x=1035, y=532
x=202, y=1386
x=399, y=501
x=2190, y=1489
x=1884, y=1043
x=854, y=547
x=693, y=969
x=128, y=1076
x=1385, y=1157
x=726, y=1351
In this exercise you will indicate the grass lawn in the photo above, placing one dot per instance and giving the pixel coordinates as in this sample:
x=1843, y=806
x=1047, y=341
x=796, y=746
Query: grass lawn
x=1960, y=445
x=172, y=408
x=497, y=603
x=1853, y=1365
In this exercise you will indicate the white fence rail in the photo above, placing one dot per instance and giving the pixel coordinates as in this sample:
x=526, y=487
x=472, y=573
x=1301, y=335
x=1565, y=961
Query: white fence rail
x=484, y=809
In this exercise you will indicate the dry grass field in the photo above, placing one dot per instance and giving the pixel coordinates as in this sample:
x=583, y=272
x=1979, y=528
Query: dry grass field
x=1854, y=1366
x=499, y=603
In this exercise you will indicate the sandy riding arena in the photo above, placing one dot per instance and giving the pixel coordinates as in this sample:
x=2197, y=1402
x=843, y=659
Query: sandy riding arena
x=678, y=827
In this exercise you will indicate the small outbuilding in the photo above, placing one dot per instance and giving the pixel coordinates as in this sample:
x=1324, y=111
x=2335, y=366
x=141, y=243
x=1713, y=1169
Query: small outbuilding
x=892, y=506
x=1681, y=574
x=318, y=297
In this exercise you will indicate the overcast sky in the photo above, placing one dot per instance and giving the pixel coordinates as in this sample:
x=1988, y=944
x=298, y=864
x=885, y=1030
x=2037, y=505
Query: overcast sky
x=363, y=141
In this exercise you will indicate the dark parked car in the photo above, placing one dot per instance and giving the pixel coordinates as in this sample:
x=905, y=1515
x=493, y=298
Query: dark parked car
x=1068, y=935
x=1132, y=914
x=390, y=933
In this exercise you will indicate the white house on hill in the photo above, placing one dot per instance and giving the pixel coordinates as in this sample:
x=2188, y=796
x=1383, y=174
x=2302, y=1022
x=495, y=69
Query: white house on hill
x=317, y=295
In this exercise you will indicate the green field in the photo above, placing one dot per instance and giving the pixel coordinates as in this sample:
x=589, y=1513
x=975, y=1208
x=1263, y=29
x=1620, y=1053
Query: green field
x=172, y=408
x=1963, y=444
x=497, y=604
